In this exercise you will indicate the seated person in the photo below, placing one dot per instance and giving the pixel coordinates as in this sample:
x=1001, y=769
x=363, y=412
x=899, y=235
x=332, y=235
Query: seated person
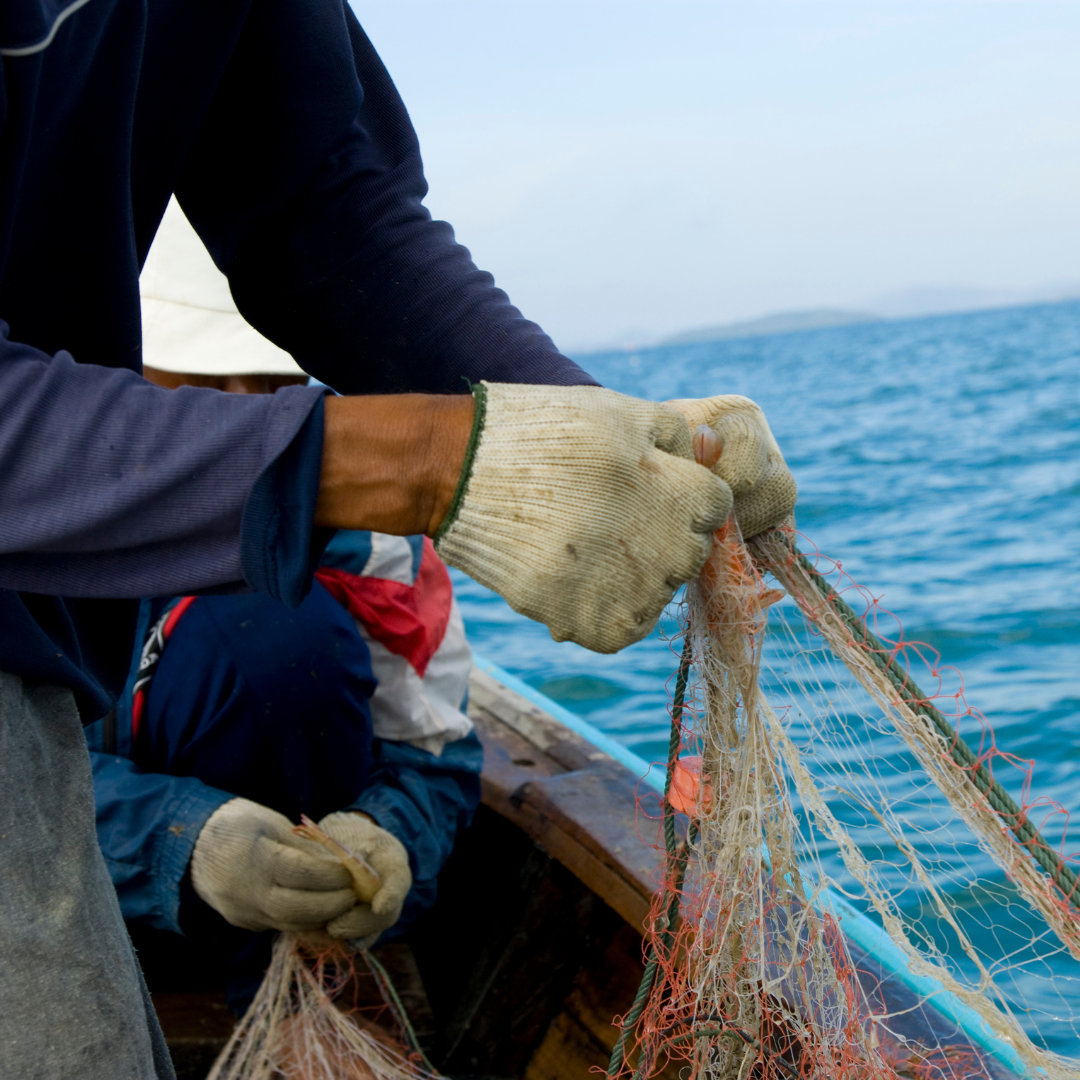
x=241, y=714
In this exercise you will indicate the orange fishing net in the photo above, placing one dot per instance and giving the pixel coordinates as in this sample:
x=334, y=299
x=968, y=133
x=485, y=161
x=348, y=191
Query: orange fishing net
x=301, y=1025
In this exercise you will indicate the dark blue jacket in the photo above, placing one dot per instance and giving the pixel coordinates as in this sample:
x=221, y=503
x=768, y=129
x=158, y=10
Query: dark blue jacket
x=252, y=699
x=286, y=144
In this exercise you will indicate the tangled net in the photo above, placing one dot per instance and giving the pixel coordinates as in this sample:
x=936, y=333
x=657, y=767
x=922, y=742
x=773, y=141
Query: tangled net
x=749, y=974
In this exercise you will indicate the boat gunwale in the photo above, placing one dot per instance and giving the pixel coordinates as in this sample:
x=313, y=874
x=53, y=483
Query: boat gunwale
x=858, y=927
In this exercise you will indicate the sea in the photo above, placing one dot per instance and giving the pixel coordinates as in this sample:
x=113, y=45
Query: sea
x=938, y=459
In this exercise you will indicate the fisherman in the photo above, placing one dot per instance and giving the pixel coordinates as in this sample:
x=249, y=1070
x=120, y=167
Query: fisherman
x=285, y=142
x=241, y=714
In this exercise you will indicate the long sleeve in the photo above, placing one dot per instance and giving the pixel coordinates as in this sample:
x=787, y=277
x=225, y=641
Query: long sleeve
x=147, y=825
x=425, y=801
x=306, y=182
x=284, y=139
x=112, y=487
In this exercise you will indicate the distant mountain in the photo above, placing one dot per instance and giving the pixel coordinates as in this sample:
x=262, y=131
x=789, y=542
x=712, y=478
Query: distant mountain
x=783, y=322
x=921, y=300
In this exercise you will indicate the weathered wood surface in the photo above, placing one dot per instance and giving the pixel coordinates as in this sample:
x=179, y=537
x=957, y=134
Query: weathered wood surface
x=501, y=950
x=591, y=869
x=573, y=800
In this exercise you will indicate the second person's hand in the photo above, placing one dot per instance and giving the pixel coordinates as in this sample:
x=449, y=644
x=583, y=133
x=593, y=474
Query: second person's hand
x=249, y=866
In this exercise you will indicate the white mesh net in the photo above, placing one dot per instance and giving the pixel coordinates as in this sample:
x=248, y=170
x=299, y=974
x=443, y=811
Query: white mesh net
x=856, y=895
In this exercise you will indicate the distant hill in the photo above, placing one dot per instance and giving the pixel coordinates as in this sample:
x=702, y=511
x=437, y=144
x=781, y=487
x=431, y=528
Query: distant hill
x=919, y=300
x=783, y=322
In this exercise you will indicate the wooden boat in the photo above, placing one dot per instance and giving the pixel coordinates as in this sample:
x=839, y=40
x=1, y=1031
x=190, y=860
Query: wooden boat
x=536, y=942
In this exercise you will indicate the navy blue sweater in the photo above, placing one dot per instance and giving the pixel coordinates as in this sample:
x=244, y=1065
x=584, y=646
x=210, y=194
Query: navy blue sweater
x=289, y=149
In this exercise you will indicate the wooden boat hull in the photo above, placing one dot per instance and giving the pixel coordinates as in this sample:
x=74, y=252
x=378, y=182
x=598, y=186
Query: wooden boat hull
x=536, y=941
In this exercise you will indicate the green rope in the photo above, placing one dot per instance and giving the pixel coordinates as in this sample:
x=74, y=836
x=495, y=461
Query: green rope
x=675, y=859
x=618, y=1055
x=675, y=742
x=1011, y=814
x=387, y=986
x=667, y=939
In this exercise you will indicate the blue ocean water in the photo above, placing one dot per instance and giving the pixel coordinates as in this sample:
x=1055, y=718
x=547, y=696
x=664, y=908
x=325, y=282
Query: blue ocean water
x=939, y=460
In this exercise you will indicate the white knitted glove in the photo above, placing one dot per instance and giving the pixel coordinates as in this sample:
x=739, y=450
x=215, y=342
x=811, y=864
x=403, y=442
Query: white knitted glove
x=387, y=857
x=750, y=461
x=582, y=508
x=249, y=866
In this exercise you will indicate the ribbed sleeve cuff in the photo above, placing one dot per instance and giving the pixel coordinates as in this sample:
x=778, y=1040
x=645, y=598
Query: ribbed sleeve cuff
x=279, y=544
x=175, y=843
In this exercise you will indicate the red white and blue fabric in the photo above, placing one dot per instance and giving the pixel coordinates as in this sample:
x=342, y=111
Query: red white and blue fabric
x=426, y=783
x=399, y=594
x=398, y=591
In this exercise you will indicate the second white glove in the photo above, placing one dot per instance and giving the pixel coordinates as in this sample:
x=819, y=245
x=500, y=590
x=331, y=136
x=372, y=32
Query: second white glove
x=386, y=855
x=750, y=461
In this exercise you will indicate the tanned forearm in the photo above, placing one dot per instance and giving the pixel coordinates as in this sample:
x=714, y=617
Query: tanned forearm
x=391, y=462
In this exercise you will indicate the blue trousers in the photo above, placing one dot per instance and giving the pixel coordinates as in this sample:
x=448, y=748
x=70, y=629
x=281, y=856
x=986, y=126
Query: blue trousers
x=266, y=703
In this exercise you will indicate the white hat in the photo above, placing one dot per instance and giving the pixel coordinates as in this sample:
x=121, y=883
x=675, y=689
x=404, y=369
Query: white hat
x=189, y=321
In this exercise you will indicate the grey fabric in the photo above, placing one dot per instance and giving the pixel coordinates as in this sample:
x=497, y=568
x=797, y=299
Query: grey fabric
x=72, y=998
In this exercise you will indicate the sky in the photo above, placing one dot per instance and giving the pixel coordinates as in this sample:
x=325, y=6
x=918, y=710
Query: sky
x=629, y=169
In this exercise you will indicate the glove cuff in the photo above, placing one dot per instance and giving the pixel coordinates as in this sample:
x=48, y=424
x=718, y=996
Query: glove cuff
x=479, y=392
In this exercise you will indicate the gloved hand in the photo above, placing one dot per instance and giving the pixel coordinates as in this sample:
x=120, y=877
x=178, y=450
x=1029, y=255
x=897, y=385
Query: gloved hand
x=387, y=857
x=750, y=461
x=582, y=508
x=249, y=866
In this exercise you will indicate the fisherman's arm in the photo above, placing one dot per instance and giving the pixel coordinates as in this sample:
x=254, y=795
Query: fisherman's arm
x=583, y=510
x=306, y=184
x=581, y=507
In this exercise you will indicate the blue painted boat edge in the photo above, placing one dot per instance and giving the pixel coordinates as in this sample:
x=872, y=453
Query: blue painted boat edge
x=869, y=937
x=874, y=941
x=638, y=766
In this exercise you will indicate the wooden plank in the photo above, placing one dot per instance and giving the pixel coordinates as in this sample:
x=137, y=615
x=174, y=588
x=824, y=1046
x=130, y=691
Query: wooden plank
x=537, y=727
x=580, y=1039
x=501, y=949
x=588, y=821
x=576, y=802
x=196, y=1026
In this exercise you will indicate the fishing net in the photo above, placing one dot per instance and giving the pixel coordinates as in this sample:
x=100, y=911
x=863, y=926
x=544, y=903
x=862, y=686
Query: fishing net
x=848, y=889
x=304, y=1022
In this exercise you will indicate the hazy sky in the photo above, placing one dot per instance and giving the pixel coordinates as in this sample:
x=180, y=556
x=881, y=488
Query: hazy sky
x=628, y=168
